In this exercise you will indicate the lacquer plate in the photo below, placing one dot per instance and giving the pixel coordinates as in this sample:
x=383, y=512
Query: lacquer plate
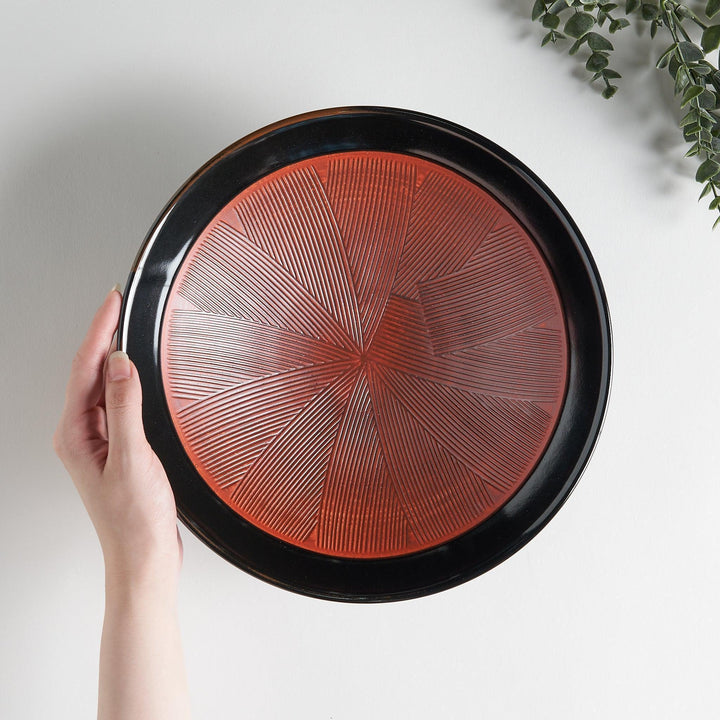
x=374, y=350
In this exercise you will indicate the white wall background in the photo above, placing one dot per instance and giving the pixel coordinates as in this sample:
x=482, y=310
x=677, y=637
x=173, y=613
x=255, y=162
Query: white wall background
x=612, y=611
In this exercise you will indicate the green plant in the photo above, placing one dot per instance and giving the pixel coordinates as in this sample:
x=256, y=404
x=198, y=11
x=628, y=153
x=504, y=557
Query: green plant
x=697, y=79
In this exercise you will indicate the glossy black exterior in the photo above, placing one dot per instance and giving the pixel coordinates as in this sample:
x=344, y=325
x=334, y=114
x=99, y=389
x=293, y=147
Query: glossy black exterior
x=580, y=289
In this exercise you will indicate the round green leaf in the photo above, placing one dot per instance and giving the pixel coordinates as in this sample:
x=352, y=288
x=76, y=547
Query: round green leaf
x=690, y=52
x=665, y=57
x=598, y=42
x=690, y=94
x=618, y=24
x=711, y=38
x=690, y=132
x=538, y=9
x=578, y=24
x=706, y=191
x=708, y=169
x=609, y=91
x=707, y=100
x=649, y=11
x=691, y=118
x=596, y=62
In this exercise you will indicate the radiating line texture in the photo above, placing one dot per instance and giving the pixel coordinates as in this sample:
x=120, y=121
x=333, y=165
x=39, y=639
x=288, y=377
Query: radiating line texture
x=364, y=354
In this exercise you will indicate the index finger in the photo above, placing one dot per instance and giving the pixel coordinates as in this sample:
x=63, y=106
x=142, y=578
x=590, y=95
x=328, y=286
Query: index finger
x=84, y=388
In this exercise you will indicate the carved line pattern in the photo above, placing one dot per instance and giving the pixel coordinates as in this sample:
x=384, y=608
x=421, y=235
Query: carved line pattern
x=364, y=354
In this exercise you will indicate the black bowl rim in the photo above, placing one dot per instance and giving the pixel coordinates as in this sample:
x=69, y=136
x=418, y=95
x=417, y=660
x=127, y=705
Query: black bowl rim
x=588, y=324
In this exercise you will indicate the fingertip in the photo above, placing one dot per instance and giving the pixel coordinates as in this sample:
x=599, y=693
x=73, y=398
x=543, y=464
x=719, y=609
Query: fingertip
x=114, y=296
x=119, y=366
x=107, y=315
x=84, y=389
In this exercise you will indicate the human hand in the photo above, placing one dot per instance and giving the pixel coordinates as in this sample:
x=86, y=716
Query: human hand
x=101, y=441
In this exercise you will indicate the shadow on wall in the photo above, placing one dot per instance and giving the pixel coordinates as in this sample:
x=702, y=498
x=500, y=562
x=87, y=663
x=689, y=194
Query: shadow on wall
x=645, y=98
x=88, y=179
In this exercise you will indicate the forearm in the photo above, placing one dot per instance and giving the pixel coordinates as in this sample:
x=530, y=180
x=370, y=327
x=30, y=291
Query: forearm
x=123, y=485
x=142, y=674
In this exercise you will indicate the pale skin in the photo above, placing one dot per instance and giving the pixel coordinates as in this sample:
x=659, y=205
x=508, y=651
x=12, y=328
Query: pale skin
x=101, y=441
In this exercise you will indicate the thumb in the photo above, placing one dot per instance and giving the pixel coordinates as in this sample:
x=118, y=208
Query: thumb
x=123, y=406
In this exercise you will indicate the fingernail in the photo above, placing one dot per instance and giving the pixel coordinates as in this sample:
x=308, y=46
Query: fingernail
x=115, y=288
x=118, y=366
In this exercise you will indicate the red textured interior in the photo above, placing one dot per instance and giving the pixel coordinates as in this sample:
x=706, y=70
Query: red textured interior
x=364, y=354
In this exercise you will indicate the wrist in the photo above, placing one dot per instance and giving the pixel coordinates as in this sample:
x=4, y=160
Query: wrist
x=153, y=579
x=146, y=599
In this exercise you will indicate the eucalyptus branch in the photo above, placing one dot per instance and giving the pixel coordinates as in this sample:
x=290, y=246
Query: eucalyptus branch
x=697, y=79
x=579, y=20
